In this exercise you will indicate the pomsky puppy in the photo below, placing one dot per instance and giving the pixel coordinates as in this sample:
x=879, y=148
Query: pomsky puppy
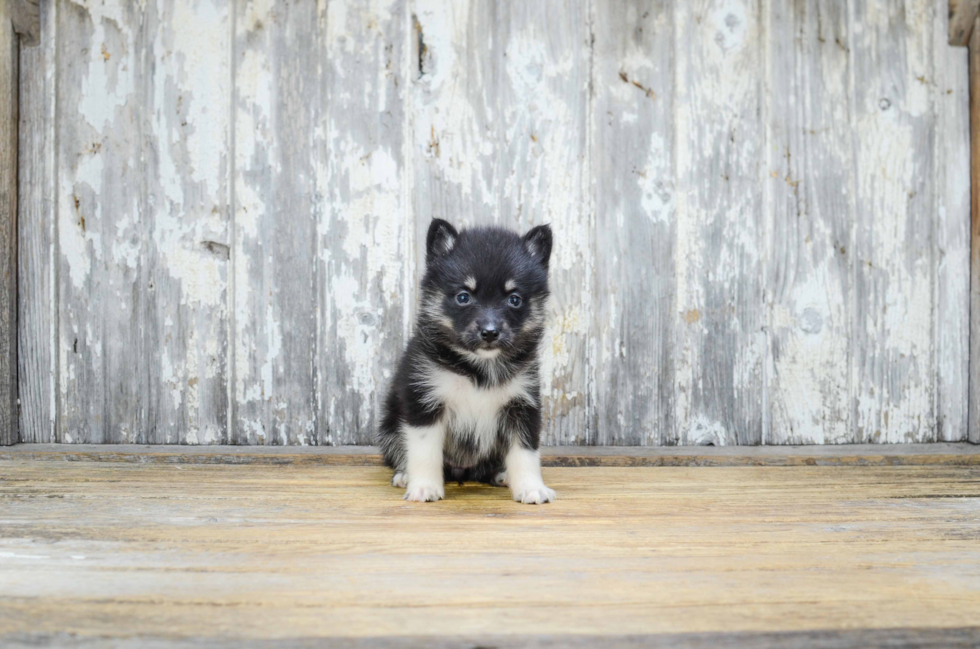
x=465, y=403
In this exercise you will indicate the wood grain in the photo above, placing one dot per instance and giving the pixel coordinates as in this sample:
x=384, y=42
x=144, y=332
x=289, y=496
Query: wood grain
x=37, y=235
x=274, y=246
x=8, y=228
x=25, y=16
x=975, y=237
x=962, y=14
x=635, y=308
x=935, y=454
x=759, y=211
x=185, y=106
x=894, y=263
x=365, y=257
x=280, y=553
x=720, y=138
x=952, y=235
x=810, y=180
x=102, y=240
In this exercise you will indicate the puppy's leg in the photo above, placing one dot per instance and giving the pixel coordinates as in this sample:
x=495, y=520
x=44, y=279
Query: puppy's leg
x=424, y=462
x=523, y=468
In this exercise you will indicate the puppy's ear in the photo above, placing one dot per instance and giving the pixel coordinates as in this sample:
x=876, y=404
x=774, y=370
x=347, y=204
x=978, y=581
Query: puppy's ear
x=440, y=240
x=538, y=243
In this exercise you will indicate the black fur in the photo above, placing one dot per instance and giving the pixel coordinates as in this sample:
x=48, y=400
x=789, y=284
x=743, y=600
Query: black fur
x=447, y=334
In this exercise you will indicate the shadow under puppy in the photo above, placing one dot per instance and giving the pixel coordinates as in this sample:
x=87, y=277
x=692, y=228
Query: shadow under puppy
x=465, y=403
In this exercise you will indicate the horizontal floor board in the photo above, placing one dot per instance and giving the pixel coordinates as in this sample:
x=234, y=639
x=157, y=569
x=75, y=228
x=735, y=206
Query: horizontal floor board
x=950, y=454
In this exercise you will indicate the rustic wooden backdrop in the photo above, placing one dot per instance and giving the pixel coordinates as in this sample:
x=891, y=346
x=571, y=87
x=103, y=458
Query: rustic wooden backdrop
x=761, y=209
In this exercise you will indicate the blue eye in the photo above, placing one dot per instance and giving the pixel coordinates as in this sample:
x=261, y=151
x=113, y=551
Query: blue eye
x=463, y=298
x=515, y=300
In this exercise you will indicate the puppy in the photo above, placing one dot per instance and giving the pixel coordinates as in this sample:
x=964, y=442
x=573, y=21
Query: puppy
x=465, y=403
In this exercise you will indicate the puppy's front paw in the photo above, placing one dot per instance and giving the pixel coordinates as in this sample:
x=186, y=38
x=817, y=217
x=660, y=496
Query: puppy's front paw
x=399, y=480
x=423, y=492
x=500, y=480
x=534, y=494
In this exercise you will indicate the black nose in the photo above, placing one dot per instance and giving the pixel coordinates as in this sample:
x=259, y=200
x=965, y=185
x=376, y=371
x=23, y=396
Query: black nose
x=489, y=335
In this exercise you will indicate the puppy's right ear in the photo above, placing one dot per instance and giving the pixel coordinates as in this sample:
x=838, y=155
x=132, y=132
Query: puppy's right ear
x=440, y=240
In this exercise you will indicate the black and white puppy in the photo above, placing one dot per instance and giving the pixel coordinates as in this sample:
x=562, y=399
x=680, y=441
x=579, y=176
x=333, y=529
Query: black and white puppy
x=465, y=403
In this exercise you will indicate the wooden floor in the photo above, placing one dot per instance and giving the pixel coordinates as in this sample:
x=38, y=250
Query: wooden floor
x=154, y=554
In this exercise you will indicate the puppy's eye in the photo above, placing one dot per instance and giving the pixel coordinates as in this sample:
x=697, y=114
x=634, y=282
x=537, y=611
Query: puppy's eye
x=463, y=298
x=515, y=300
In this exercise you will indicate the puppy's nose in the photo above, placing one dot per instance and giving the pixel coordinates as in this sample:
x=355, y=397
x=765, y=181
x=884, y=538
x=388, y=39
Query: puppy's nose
x=490, y=334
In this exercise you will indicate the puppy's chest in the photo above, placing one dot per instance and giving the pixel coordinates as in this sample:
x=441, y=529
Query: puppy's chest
x=470, y=409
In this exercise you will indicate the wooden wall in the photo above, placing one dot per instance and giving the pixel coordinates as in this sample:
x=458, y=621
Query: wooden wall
x=761, y=209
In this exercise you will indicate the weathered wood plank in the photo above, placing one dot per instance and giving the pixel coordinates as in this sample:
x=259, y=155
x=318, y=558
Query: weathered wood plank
x=810, y=187
x=231, y=553
x=962, y=14
x=935, y=454
x=501, y=137
x=274, y=241
x=893, y=360
x=8, y=228
x=365, y=258
x=952, y=237
x=101, y=232
x=37, y=189
x=720, y=342
x=25, y=16
x=974, y=67
x=957, y=638
x=185, y=104
x=635, y=222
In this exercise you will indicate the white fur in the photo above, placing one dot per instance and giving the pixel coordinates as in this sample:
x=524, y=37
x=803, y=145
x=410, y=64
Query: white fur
x=469, y=407
x=509, y=286
x=523, y=476
x=399, y=480
x=423, y=449
x=470, y=283
x=488, y=353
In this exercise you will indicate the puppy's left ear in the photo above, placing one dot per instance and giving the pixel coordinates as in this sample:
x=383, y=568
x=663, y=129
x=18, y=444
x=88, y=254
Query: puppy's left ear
x=537, y=241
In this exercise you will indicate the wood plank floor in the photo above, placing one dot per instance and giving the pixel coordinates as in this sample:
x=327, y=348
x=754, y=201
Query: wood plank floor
x=124, y=554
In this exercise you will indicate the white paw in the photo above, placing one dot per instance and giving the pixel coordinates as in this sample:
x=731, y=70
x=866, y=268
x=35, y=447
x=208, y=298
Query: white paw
x=399, y=480
x=424, y=492
x=534, y=495
x=500, y=480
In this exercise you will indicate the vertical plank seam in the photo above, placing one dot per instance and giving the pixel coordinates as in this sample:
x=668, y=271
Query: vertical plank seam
x=937, y=176
x=591, y=421
x=57, y=434
x=230, y=355
x=143, y=416
x=317, y=279
x=767, y=213
x=852, y=229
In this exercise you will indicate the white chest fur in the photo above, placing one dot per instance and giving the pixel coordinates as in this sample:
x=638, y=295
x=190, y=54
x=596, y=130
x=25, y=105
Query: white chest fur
x=470, y=410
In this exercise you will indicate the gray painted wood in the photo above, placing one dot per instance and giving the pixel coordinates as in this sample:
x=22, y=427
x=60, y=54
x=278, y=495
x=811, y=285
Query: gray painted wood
x=37, y=189
x=185, y=104
x=365, y=273
x=759, y=211
x=274, y=241
x=8, y=228
x=635, y=232
x=809, y=178
x=894, y=130
x=501, y=137
x=25, y=16
x=952, y=173
x=720, y=132
x=974, y=401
